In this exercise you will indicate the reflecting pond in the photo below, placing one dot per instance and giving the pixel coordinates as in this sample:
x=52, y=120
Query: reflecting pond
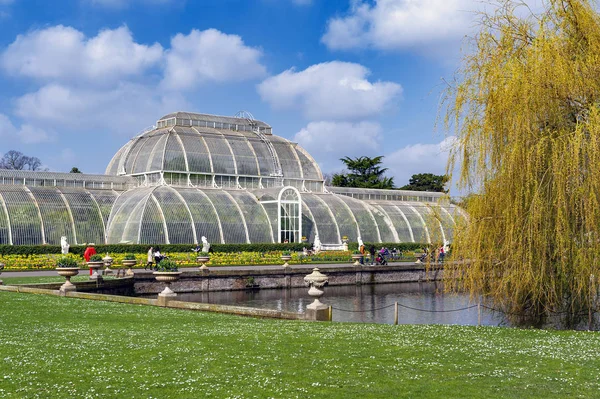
x=419, y=303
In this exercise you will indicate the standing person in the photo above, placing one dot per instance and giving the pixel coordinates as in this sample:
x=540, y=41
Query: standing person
x=362, y=250
x=372, y=252
x=87, y=254
x=150, y=259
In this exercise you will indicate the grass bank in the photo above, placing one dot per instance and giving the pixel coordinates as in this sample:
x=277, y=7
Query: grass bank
x=65, y=347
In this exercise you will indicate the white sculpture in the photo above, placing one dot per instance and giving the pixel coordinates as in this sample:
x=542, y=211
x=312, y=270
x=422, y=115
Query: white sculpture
x=360, y=242
x=64, y=245
x=205, y=244
x=317, y=244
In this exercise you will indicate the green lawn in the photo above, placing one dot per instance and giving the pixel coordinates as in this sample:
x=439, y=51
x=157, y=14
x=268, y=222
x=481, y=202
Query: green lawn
x=47, y=279
x=54, y=347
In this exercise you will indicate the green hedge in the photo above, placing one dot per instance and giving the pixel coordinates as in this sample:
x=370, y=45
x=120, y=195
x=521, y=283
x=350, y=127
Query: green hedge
x=143, y=248
x=166, y=248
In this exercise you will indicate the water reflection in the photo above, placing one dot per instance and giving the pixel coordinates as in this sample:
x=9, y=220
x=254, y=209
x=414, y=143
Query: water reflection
x=363, y=303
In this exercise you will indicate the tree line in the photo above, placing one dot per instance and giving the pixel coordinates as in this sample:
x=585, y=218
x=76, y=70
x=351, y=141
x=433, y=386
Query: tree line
x=367, y=172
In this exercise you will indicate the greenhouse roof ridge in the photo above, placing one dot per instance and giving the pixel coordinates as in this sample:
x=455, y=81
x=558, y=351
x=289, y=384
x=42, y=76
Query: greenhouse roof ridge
x=181, y=115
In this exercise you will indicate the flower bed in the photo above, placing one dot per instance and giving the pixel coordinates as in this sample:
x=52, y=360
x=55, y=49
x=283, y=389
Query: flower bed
x=183, y=259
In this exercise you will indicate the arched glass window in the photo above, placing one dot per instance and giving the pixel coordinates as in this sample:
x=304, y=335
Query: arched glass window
x=289, y=215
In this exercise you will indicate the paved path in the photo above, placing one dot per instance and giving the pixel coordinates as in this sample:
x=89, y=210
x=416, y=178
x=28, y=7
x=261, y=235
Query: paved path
x=307, y=267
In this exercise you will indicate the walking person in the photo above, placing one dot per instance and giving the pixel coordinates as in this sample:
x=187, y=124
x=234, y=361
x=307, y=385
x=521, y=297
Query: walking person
x=150, y=259
x=372, y=252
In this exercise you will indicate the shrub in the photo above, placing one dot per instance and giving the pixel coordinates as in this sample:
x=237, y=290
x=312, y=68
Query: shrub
x=66, y=261
x=96, y=258
x=167, y=265
x=203, y=254
x=286, y=253
x=129, y=257
x=143, y=248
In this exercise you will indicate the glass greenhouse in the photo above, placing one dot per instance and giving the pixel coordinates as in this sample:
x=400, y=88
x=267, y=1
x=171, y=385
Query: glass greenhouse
x=227, y=178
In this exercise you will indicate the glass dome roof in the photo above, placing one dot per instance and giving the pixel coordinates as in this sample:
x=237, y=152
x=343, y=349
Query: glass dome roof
x=208, y=144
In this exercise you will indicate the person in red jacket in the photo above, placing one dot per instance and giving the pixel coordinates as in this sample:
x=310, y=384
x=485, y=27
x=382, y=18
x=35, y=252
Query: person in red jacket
x=87, y=254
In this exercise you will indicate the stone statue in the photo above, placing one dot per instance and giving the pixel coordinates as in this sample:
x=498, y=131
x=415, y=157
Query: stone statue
x=360, y=242
x=64, y=245
x=205, y=244
x=317, y=244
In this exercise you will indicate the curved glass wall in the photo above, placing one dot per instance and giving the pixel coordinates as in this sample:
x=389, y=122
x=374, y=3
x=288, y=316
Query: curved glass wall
x=42, y=215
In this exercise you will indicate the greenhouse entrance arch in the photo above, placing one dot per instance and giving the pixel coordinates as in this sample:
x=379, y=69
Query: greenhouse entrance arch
x=289, y=214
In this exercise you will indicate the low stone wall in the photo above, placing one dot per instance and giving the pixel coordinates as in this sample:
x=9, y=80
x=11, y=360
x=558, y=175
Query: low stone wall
x=214, y=279
x=122, y=286
x=205, y=307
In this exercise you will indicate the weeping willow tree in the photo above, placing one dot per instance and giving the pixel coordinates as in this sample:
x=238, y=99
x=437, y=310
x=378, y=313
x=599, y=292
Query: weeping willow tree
x=526, y=112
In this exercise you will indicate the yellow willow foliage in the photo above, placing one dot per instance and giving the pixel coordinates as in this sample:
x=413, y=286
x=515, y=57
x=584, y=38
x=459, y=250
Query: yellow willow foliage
x=526, y=112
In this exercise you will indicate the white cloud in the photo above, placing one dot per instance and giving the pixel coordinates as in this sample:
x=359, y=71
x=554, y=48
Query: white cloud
x=393, y=24
x=421, y=25
x=125, y=109
x=418, y=158
x=327, y=141
x=27, y=133
x=332, y=90
x=64, y=53
x=6, y=126
x=30, y=134
x=210, y=55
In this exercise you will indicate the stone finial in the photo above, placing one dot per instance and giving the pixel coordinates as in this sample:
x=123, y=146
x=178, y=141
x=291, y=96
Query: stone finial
x=316, y=280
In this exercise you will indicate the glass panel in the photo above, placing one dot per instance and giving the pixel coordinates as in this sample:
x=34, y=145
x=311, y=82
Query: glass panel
x=197, y=153
x=155, y=157
x=366, y=224
x=229, y=215
x=328, y=233
x=56, y=218
x=415, y=222
x=308, y=225
x=174, y=155
x=265, y=160
x=203, y=214
x=220, y=154
x=179, y=224
x=244, y=156
x=395, y=215
x=105, y=200
x=152, y=228
x=287, y=159
x=87, y=217
x=256, y=219
x=24, y=219
x=343, y=218
x=4, y=231
x=125, y=217
x=309, y=167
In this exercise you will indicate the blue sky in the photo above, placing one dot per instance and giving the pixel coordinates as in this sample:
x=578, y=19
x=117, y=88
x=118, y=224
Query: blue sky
x=79, y=78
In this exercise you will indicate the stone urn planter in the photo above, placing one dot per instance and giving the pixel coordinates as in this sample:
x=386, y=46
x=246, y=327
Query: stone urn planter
x=108, y=261
x=286, y=258
x=167, y=278
x=129, y=263
x=357, y=259
x=67, y=273
x=95, y=265
x=203, y=260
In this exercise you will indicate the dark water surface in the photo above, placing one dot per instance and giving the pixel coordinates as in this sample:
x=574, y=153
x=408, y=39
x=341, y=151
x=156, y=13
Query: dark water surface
x=363, y=303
